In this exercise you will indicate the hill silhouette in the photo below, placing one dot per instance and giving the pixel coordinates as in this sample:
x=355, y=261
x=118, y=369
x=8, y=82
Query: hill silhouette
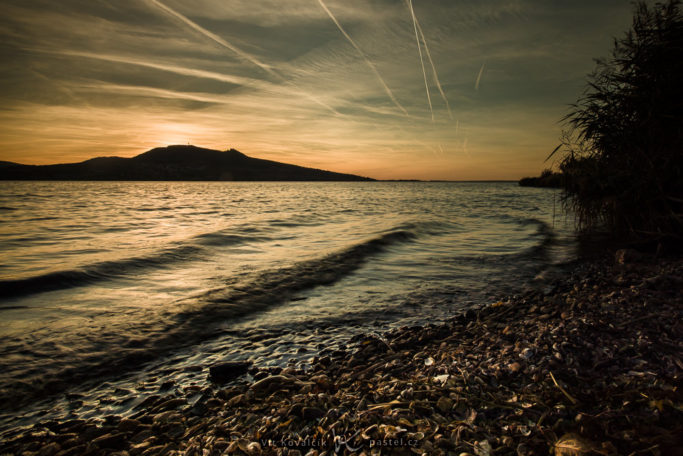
x=175, y=163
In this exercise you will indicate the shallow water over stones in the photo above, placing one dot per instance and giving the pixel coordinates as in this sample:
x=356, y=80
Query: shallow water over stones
x=108, y=305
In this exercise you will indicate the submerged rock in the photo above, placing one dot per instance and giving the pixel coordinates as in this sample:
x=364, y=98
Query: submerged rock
x=627, y=256
x=224, y=372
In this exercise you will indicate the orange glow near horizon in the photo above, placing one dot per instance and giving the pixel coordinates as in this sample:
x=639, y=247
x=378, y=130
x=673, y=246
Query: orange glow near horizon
x=340, y=88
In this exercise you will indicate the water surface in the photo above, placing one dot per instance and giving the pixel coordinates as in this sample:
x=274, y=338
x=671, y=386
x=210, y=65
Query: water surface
x=119, y=281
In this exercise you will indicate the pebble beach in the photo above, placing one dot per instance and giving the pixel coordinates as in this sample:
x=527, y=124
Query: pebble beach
x=588, y=365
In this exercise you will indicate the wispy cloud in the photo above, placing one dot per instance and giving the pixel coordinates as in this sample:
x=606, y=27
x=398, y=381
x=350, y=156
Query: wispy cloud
x=147, y=63
x=365, y=58
x=431, y=62
x=277, y=80
x=422, y=62
x=212, y=36
x=245, y=55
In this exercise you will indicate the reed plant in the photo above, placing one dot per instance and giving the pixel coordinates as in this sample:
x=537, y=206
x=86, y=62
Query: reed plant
x=621, y=153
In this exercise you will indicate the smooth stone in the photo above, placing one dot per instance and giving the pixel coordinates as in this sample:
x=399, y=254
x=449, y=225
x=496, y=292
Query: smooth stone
x=224, y=372
x=175, y=430
x=141, y=436
x=167, y=385
x=626, y=256
x=322, y=381
x=311, y=413
x=166, y=417
x=527, y=353
x=444, y=404
x=49, y=449
x=77, y=450
x=111, y=441
x=129, y=425
x=170, y=404
x=275, y=382
x=158, y=449
x=94, y=432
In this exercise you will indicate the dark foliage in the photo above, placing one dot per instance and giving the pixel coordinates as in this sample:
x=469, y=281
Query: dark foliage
x=548, y=178
x=623, y=161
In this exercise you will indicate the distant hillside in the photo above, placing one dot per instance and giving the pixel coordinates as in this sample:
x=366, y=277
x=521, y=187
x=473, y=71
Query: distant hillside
x=174, y=163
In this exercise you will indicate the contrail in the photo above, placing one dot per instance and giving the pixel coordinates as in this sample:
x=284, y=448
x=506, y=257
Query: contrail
x=481, y=71
x=362, y=54
x=436, y=76
x=246, y=56
x=162, y=67
x=214, y=37
x=422, y=62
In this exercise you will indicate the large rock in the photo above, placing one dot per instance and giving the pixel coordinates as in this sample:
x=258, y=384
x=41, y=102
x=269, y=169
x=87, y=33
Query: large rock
x=627, y=256
x=224, y=372
x=113, y=441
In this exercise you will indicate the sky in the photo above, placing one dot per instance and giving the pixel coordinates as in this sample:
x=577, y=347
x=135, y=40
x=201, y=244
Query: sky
x=390, y=89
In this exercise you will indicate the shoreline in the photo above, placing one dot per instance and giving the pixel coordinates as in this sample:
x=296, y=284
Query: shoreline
x=591, y=364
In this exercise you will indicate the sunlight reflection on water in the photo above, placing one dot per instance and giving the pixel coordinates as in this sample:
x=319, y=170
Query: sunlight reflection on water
x=92, y=271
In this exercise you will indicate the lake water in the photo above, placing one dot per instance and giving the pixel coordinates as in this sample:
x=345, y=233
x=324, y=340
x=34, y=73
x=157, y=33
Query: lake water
x=136, y=283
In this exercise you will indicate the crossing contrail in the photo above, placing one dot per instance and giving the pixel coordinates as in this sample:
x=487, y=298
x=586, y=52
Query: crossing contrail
x=422, y=62
x=214, y=37
x=481, y=71
x=431, y=62
x=245, y=55
x=362, y=54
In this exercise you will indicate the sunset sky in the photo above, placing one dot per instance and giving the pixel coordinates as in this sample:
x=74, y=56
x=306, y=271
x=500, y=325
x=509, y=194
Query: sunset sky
x=332, y=84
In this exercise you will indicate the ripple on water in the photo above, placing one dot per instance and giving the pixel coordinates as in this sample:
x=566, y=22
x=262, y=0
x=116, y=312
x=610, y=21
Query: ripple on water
x=272, y=273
